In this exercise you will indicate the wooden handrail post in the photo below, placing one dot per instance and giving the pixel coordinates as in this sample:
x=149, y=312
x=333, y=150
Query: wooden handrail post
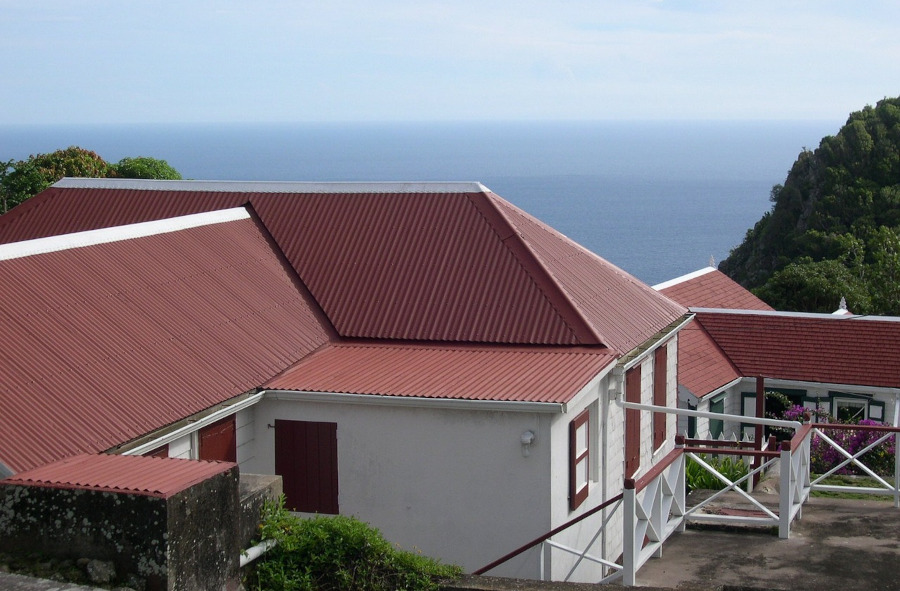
x=786, y=492
x=758, y=430
x=631, y=548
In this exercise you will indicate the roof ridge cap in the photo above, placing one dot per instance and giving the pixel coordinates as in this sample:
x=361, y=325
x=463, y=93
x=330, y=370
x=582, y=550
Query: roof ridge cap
x=48, y=244
x=236, y=186
x=683, y=278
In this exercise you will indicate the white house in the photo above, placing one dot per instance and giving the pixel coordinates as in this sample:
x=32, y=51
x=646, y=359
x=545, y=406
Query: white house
x=424, y=356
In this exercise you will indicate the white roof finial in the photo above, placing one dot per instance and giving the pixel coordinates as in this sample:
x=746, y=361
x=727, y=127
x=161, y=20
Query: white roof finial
x=712, y=261
x=843, y=304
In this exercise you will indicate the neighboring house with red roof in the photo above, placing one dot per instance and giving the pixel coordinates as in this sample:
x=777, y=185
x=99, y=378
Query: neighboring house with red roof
x=424, y=356
x=842, y=364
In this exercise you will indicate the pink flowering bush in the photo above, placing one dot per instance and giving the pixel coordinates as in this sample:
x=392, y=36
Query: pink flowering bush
x=823, y=457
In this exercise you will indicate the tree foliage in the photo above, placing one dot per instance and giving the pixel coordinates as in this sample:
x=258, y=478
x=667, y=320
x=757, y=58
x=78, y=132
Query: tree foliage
x=834, y=224
x=20, y=180
x=143, y=167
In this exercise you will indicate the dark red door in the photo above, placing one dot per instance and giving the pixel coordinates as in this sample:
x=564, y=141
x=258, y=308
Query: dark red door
x=218, y=441
x=306, y=459
x=660, y=380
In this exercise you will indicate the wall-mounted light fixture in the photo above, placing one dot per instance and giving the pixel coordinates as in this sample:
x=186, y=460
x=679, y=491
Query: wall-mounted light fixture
x=527, y=439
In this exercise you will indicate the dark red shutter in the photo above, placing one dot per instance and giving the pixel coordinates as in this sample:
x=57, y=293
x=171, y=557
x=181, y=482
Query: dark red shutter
x=632, y=422
x=306, y=459
x=576, y=457
x=218, y=441
x=660, y=359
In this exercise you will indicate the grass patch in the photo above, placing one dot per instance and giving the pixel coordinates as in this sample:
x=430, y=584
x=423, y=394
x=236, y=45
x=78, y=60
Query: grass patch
x=337, y=553
x=850, y=480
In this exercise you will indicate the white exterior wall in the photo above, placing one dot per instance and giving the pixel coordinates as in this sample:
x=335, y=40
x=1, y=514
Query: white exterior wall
x=453, y=484
x=245, y=435
x=606, y=475
x=183, y=447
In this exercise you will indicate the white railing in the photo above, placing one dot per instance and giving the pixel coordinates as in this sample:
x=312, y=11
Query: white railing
x=794, y=485
x=613, y=570
x=654, y=509
x=654, y=506
x=547, y=545
x=820, y=432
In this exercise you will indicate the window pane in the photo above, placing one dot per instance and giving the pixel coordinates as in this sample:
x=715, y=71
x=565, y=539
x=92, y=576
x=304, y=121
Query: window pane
x=581, y=438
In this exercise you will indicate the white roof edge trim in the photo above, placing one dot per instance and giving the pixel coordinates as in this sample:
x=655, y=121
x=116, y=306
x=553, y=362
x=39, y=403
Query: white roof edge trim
x=275, y=186
x=50, y=244
x=683, y=278
x=822, y=315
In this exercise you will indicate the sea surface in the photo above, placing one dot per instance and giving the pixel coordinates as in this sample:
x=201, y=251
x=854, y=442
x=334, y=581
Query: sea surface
x=658, y=199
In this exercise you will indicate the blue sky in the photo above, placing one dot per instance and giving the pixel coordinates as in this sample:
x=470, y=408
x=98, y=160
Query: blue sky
x=75, y=61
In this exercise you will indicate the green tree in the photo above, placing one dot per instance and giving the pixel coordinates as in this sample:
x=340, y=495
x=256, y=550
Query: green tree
x=826, y=222
x=815, y=286
x=25, y=178
x=144, y=167
x=885, y=270
x=29, y=177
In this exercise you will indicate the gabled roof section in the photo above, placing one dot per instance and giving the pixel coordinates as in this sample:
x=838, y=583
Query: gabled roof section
x=136, y=475
x=447, y=262
x=463, y=372
x=855, y=350
x=703, y=367
x=710, y=288
x=116, y=337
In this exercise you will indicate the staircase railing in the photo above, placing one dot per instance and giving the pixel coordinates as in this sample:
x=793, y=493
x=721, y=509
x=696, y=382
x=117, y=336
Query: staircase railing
x=544, y=540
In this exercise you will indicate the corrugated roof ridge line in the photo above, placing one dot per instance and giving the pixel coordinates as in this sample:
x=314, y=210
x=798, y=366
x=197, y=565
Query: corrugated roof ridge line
x=717, y=346
x=654, y=300
x=786, y=314
x=273, y=186
x=536, y=348
x=582, y=330
x=291, y=271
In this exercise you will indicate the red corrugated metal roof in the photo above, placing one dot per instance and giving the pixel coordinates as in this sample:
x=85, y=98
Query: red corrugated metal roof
x=107, y=342
x=623, y=311
x=541, y=374
x=423, y=261
x=702, y=366
x=710, y=288
x=147, y=476
x=822, y=348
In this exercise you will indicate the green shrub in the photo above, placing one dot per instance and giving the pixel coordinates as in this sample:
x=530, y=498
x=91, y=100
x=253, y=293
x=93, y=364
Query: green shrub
x=697, y=477
x=338, y=553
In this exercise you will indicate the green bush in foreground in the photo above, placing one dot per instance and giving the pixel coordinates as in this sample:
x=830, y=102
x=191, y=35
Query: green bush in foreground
x=697, y=477
x=338, y=553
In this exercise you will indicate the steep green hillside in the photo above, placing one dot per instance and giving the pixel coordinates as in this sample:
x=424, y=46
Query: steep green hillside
x=834, y=226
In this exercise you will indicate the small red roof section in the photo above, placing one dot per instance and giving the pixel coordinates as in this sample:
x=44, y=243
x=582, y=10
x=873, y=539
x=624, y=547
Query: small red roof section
x=853, y=350
x=710, y=288
x=703, y=367
x=539, y=374
x=110, y=335
x=137, y=475
x=445, y=262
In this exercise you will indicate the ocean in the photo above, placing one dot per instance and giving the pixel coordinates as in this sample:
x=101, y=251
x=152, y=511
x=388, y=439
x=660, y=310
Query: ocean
x=658, y=199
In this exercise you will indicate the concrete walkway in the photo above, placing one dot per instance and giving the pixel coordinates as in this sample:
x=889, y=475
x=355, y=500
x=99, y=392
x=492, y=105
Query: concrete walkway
x=839, y=544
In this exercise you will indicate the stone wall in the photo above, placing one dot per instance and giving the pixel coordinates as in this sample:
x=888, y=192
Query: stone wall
x=190, y=540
